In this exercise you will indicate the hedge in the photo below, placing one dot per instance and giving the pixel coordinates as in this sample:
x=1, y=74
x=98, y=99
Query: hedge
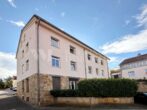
x=64, y=93
x=107, y=88
x=100, y=88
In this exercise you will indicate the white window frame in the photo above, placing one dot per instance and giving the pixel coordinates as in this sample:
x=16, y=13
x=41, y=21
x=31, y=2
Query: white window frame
x=102, y=72
x=54, y=42
x=90, y=69
x=96, y=60
x=131, y=74
x=73, y=66
x=97, y=71
x=89, y=57
x=55, y=62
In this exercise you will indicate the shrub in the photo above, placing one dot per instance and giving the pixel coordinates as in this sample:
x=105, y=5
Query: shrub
x=107, y=88
x=64, y=93
x=100, y=88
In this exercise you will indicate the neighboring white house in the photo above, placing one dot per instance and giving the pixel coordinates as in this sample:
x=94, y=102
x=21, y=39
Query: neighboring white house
x=135, y=67
x=49, y=58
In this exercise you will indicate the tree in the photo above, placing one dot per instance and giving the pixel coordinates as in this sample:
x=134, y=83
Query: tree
x=2, y=85
x=8, y=82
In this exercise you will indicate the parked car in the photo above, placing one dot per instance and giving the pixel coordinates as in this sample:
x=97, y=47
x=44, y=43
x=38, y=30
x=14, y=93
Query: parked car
x=141, y=98
x=13, y=88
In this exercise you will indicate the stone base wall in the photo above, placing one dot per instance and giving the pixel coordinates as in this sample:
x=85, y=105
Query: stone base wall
x=45, y=86
x=89, y=101
x=142, y=86
x=30, y=96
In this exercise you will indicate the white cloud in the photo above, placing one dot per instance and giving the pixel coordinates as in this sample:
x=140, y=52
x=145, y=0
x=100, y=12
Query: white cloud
x=142, y=17
x=36, y=9
x=7, y=64
x=113, y=59
x=127, y=22
x=11, y=2
x=128, y=43
x=17, y=23
x=131, y=42
x=63, y=14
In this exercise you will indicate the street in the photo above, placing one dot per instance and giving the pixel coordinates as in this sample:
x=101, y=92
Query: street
x=9, y=101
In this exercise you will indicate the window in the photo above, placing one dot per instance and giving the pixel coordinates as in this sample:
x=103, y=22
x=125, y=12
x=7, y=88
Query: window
x=22, y=53
x=102, y=63
x=56, y=83
x=54, y=42
x=27, y=65
x=73, y=83
x=96, y=60
x=55, y=61
x=72, y=50
x=27, y=85
x=97, y=71
x=22, y=68
x=89, y=69
x=73, y=66
x=102, y=72
x=27, y=47
x=89, y=57
x=23, y=86
x=131, y=73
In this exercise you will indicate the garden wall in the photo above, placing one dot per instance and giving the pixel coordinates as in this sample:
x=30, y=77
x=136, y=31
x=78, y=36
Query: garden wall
x=88, y=101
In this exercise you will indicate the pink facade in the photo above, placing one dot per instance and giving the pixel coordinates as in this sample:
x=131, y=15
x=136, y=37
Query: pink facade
x=46, y=51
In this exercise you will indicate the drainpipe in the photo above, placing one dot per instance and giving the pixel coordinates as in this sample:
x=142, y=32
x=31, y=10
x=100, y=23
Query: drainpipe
x=38, y=62
x=85, y=65
x=109, y=76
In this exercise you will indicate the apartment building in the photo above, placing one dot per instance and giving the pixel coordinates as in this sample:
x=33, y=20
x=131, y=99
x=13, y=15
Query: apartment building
x=135, y=67
x=49, y=58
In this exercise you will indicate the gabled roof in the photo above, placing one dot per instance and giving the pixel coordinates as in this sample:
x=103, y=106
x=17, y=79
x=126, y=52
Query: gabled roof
x=43, y=20
x=134, y=59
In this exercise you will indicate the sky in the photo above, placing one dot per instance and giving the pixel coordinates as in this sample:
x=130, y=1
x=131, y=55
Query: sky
x=116, y=28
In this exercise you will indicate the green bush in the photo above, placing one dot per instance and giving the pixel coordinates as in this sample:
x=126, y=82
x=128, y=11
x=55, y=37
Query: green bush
x=100, y=88
x=107, y=88
x=64, y=93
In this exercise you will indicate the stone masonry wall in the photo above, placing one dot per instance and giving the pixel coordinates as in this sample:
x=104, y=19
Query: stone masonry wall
x=142, y=86
x=45, y=87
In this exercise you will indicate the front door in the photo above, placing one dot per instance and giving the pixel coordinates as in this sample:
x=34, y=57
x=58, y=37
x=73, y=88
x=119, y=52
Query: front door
x=56, y=83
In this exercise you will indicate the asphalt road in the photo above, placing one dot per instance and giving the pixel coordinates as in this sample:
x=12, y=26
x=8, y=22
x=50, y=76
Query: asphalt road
x=8, y=101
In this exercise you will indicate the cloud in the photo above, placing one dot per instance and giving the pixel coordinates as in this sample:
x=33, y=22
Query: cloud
x=142, y=17
x=127, y=22
x=17, y=23
x=36, y=9
x=7, y=64
x=63, y=14
x=11, y=2
x=113, y=59
x=128, y=43
x=131, y=42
